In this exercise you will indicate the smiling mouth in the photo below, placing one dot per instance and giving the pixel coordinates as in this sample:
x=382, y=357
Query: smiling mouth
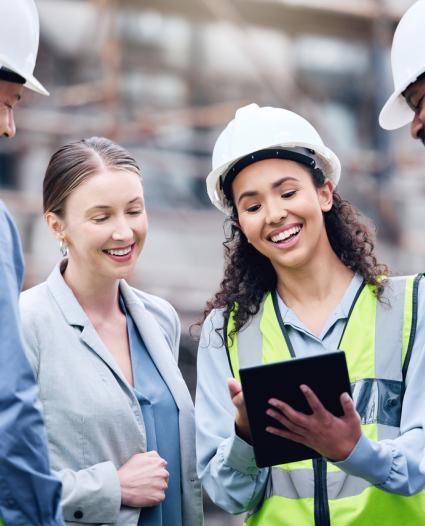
x=286, y=234
x=119, y=251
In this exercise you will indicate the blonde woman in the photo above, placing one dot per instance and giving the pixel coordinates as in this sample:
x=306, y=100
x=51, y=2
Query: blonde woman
x=118, y=414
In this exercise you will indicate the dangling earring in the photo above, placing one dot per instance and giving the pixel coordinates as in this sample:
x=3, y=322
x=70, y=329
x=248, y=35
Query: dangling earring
x=63, y=247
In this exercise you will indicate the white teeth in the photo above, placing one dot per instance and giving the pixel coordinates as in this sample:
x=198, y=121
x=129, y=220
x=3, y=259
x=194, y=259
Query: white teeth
x=287, y=233
x=121, y=252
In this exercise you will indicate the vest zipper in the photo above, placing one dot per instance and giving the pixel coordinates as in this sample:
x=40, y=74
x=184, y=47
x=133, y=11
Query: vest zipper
x=321, y=504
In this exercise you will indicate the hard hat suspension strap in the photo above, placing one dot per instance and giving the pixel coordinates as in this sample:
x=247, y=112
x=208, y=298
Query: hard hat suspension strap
x=227, y=179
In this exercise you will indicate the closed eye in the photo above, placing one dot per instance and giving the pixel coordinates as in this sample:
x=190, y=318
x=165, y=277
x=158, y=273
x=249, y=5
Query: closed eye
x=288, y=195
x=253, y=208
x=135, y=212
x=100, y=219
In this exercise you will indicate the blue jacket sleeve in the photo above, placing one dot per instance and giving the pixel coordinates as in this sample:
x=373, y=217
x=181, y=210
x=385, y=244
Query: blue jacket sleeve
x=29, y=494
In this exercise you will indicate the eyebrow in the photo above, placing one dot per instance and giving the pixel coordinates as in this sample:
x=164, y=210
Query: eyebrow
x=107, y=207
x=276, y=184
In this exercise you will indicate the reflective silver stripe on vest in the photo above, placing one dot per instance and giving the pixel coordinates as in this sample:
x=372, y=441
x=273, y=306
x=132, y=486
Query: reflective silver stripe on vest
x=250, y=339
x=384, y=405
x=389, y=330
x=299, y=484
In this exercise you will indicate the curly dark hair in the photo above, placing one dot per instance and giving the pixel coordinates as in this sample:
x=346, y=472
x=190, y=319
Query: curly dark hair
x=248, y=275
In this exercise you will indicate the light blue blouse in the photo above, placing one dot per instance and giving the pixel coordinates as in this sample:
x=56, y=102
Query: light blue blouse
x=226, y=463
x=160, y=415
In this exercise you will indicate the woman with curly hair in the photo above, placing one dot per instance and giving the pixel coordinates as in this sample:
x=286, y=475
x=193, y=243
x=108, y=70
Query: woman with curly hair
x=301, y=278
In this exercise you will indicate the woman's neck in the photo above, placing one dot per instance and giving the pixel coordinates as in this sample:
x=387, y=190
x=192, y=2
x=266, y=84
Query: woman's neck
x=97, y=296
x=317, y=286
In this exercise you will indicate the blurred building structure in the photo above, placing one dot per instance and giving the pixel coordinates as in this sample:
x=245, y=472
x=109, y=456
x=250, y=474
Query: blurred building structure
x=162, y=77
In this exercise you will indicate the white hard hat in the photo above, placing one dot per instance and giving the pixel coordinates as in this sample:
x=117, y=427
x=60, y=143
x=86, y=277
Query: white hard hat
x=255, y=129
x=408, y=63
x=19, y=36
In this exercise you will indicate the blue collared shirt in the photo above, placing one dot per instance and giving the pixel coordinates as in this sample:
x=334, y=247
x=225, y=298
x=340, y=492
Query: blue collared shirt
x=226, y=463
x=29, y=494
x=161, y=418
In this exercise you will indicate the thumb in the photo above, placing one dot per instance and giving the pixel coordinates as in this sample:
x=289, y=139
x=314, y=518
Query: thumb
x=348, y=406
x=235, y=388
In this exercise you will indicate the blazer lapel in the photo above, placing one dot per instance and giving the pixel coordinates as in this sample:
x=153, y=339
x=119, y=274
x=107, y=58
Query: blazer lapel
x=90, y=337
x=75, y=315
x=157, y=346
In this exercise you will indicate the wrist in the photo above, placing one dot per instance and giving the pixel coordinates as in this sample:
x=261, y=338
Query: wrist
x=346, y=450
x=243, y=431
x=123, y=489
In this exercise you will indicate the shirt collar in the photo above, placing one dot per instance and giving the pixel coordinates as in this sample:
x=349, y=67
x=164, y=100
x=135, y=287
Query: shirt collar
x=341, y=311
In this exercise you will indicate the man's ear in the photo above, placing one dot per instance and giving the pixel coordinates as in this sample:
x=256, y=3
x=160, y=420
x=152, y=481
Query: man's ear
x=56, y=225
x=325, y=193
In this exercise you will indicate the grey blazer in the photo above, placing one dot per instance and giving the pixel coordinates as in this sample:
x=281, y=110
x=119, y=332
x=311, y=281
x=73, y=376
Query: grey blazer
x=93, y=420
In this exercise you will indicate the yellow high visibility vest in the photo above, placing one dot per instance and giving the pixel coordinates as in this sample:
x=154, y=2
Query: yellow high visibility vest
x=378, y=340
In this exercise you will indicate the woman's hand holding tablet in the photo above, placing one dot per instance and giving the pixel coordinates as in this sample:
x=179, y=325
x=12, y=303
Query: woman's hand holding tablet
x=333, y=437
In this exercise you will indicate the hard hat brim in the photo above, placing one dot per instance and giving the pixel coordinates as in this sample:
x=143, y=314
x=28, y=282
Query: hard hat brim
x=396, y=112
x=30, y=81
x=33, y=84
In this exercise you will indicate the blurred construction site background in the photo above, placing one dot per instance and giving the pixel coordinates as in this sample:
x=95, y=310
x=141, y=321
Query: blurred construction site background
x=162, y=77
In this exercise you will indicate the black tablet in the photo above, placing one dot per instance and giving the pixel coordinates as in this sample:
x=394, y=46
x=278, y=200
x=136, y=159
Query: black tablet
x=325, y=374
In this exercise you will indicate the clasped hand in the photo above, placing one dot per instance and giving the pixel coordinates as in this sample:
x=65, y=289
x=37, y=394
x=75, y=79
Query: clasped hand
x=143, y=480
